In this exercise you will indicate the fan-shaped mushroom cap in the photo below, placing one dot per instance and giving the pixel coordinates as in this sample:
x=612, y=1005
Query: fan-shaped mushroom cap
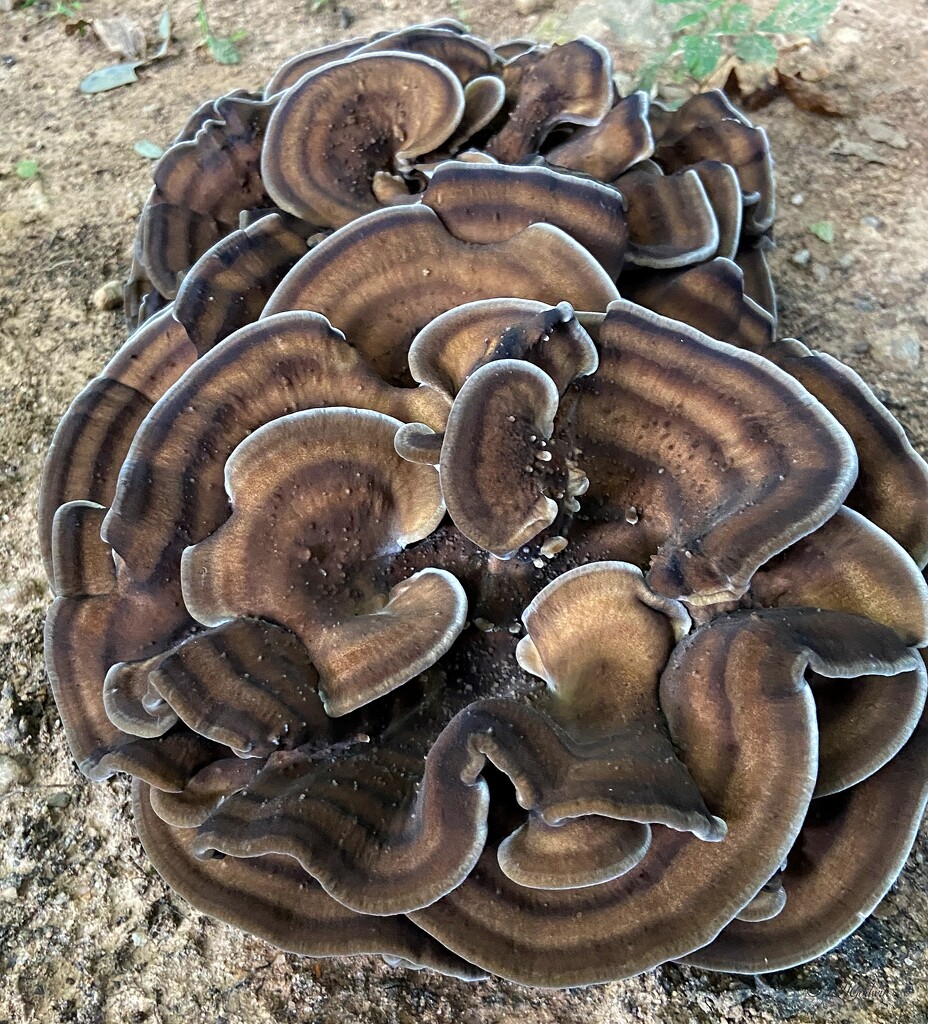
x=246, y=684
x=850, y=850
x=727, y=201
x=664, y=427
x=493, y=202
x=171, y=491
x=467, y=56
x=381, y=830
x=321, y=152
x=892, y=486
x=173, y=238
x=513, y=47
x=81, y=643
x=93, y=437
x=609, y=148
x=862, y=724
x=577, y=852
x=501, y=416
x=671, y=222
x=571, y=83
x=201, y=185
x=407, y=267
x=849, y=565
x=292, y=70
x=205, y=791
x=273, y=898
x=711, y=298
x=603, y=685
x=294, y=561
x=739, y=676
x=751, y=257
x=448, y=350
x=767, y=903
x=230, y=284
x=217, y=173
x=707, y=127
x=483, y=100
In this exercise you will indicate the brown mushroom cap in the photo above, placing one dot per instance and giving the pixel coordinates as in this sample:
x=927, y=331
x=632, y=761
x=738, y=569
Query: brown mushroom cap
x=892, y=485
x=466, y=56
x=246, y=684
x=93, y=437
x=310, y=547
x=292, y=70
x=609, y=148
x=671, y=222
x=500, y=418
x=849, y=565
x=751, y=257
x=81, y=643
x=575, y=853
x=664, y=428
x=603, y=688
x=709, y=297
x=863, y=724
x=739, y=676
x=201, y=185
x=272, y=897
x=340, y=124
x=483, y=100
x=230, y=284
x=723, y=190
x=708, y=127
x=571, y=83
x=851, y=849
x=405, y=265
x=493, y=202
x=448, y=350
x=171, y=491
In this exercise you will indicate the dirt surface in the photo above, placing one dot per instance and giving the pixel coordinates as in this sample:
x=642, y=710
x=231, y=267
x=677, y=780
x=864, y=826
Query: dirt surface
x=88, y=931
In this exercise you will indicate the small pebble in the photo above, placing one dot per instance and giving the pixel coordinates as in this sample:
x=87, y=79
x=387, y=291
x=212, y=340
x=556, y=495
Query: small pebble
x=820, y=272
x=9, y=894
x=59, y=799
x=108, y=295
x=12, y=773
x=802, y=257
x=798, y=199
x=871, y=222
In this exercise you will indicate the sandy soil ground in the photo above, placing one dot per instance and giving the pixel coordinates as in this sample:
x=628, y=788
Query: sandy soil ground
x=88, y=932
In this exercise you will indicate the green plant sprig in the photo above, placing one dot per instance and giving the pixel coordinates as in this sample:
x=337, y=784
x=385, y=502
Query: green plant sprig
x=222, y=48
x=710, y=31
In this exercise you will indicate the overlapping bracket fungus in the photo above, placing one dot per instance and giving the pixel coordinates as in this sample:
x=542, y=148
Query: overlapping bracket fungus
x=446, y=605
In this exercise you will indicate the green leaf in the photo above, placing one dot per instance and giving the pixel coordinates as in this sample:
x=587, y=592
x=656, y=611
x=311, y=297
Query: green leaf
x=756, y=49
x=688, y=20
x=701, y=55
x=149, y=150
x=737, y=19
x=27, y=169
x=110, y=78
x=224, y=51
x=808, y=16
x=824, y=230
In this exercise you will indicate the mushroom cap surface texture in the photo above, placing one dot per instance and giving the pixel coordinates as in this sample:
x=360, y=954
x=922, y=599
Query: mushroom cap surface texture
x=453, y=555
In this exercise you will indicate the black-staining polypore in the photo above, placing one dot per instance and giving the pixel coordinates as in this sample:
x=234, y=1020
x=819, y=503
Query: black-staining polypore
x=455, y=558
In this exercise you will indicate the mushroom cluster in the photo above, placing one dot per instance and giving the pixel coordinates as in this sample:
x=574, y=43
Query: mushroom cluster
x=446, y=605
